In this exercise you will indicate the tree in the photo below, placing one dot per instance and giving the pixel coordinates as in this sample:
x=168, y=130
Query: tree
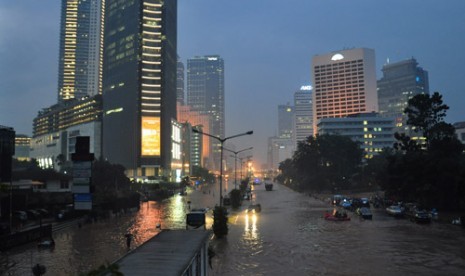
x=108, y=180
x=324, y=162
x=424, y=112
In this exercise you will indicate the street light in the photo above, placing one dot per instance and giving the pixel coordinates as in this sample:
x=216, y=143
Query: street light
x=235, y=163
x=221, y=140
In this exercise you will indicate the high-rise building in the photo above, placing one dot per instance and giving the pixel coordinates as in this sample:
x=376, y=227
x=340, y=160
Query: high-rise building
x=303, y=115
x=400, y=82
x=7, y=150
x=180, y=82
x=285, y=120
x=344, y=84
x=373, y=132
x=201, y=122
x=22, y=147
x=205, y=94
x=81, y=46
x=139, y=85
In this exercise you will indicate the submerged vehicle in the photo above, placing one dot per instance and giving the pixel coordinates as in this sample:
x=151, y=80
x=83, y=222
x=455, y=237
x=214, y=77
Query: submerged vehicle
x=269, y=186
x=364, y=212
x=254, y=208
x=395, y=210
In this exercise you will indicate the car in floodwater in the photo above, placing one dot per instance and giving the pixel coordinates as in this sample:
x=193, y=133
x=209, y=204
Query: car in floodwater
x=395, y=210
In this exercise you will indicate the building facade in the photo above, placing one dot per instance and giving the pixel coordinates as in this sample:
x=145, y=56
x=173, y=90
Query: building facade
x=7, y=150
x=279, y=149
x=205, y=94
x=55, y=130
x=344, y=84
x=373, y=132
x=139, y=85
x=200, y=154
x=285, y=120
x=22, y=147
x=400, y=82
x=303, y=115
x=180, y=83
x=81, y=46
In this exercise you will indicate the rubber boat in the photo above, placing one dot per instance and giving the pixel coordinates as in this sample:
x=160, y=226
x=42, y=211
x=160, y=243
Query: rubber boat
x=331, y=217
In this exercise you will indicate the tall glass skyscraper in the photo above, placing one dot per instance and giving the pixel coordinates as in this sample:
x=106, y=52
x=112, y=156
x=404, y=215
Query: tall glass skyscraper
x=303, y=115
x=285, y=120
x=180, y=82
x=81, y=41
x=400, y=82
x=205, y=94
x=139, y=85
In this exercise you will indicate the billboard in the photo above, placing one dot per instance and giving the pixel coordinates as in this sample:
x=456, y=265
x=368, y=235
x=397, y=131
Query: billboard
x=150, y=143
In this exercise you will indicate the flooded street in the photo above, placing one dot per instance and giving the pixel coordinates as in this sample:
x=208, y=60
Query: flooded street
x=288, y=237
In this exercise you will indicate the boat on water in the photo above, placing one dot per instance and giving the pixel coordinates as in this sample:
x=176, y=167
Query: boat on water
x=336, y=216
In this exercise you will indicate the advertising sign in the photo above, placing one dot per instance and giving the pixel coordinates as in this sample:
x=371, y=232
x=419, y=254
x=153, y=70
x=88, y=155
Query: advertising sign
x=150, y=143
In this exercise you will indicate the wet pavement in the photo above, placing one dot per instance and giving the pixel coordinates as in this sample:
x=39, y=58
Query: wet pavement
x=288, y=237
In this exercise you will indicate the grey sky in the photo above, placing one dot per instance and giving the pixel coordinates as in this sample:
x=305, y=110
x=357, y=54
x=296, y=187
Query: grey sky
x=267, y=46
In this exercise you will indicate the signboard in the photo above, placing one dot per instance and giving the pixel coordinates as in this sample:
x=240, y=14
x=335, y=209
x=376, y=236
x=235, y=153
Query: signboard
x=150, y=142
x=82, y=201
x=81, y=189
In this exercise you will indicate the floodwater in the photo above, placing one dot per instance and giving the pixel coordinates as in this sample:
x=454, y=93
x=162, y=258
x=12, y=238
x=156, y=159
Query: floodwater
x=288, y=237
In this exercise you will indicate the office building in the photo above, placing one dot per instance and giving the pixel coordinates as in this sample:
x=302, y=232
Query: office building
x=139, y=85
x=22, y=147
x=400, y=82
x=460, y=131
x=180, y=84
x=344, y=84
x=81, y=42
x=205, y=94
x=279, y=149
x=7, y=150
x=200, y=155
x=303, y=115
x=373, y=132
x=55, y=130
x=285, y=120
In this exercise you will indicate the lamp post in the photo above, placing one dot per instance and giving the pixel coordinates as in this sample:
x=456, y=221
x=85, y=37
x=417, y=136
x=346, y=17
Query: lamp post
x=221, y=140
x=235, y=163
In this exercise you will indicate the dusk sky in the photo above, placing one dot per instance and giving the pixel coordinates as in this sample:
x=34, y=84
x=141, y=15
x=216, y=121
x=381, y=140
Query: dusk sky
x=267, y=47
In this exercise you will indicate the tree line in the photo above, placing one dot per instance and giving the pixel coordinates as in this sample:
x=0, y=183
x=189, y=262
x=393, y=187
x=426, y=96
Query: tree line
x=429, y=171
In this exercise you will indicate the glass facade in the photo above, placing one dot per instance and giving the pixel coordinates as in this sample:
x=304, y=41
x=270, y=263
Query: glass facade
x=139, y=84
x=80, y=57
x=400, y=82
x=205, y=94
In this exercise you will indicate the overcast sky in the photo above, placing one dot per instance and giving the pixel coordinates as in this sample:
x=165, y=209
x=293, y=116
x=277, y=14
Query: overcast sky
x=267, y=46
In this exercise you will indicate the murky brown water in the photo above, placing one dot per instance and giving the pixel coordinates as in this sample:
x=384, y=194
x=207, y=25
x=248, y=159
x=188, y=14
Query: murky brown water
x=288, y=237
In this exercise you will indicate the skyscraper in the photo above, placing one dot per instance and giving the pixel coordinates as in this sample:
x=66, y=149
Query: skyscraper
x=139, y=85
x=344, y=84
x=303, y=114
x=400, y=82
x=285, y=120
x=205, y=94
x=180, y=82
x=81, y=42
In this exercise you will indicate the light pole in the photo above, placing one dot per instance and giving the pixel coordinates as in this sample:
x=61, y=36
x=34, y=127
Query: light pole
x=221, y=140
x=235, y=163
